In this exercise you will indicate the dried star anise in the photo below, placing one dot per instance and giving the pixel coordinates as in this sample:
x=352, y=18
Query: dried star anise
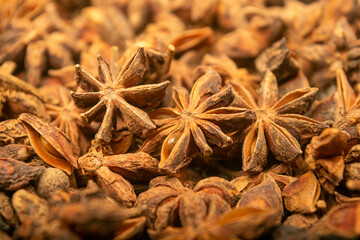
x=50, y=143
x=240, y=223
x=349, y=106
x=325, y=156
x=169, y=203
x=66, y=117
x=334, y=222
x=158, y=60
x=265, y=196
x=258, y=137
x=17, y=97
x=246, y=180
x=342, y=109
x=342, y=41
x=230, y=72
x=41, y=41
x=136, y=167
x=259, y=30
x=283, y=63
x=302, y=194
x=192, y=39
x=334, y=161
x=118, y=92
x=194, y=123
x=280, y=126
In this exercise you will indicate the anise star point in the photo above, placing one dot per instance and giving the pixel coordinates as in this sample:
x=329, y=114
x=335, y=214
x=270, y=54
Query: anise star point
x=193, y=125
x=279, y=126
x=121, y=93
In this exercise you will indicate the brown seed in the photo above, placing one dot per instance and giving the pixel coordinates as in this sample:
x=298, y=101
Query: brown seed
x=52, y=179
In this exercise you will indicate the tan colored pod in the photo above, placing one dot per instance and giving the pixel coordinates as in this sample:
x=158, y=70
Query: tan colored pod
x=49, y=143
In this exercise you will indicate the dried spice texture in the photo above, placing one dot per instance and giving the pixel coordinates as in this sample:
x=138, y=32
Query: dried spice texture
x=279, y=126
x=169, y=203
x=265, y=196
x=15, y=174
x=50, y=143
x=195, y=123
x=12, y=132
x=119, y=92
x=17, y=151
x=325, y=156
x=240, y=223
x=258, y=139
x=302, y=194
x=349, y=107
x=342, y=220
x=66, y=117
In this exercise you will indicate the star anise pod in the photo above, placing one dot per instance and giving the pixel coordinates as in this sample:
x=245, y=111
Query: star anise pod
x=333, y=224
x=349, y=106
x=265, y=196
x=15, y=28
x=49, y=143
x=119, y=92
x=342, y=109
x=246, y=180
x=279, y=127
x=45, y=41
x=239, y=223
x=342, y=41
x=169, y=203
x=66, y=117
x=166, y=26
x=258, y=31
x=141, y=12
x=335, y=160
x=228, y=70
x=320, y=36
x=158, y=59
x=106, y=22
x=279, y=59
x=325, y=156
x=184, y=71
x=18, y=96
x=196, y=12
x=303, y=194
x=195, y=122
x=283, y=64
x=194, y=39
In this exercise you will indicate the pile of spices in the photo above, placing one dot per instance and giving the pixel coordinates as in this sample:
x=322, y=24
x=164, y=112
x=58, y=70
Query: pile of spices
x=179, y=119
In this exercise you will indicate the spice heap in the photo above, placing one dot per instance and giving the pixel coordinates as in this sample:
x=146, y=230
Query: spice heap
x=160, y=119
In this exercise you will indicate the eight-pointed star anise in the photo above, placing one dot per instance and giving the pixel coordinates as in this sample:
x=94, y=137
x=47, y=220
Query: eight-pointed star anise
x=195, y=122
x=119, y=93
x=279, y=125
x=169, y=203
x=342, y=109
x=66, y=117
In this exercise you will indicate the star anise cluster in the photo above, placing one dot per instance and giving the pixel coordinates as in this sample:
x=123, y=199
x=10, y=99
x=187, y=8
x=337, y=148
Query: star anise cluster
x=179, y=119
